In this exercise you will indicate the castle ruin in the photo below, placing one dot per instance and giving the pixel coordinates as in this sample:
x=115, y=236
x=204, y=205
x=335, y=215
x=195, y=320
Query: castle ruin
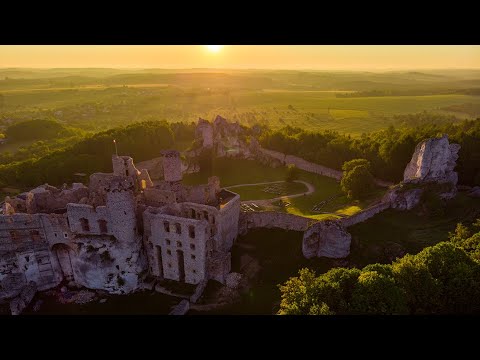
x=116, y=231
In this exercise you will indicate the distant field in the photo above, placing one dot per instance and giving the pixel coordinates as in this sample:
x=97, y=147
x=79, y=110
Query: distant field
x=99, y=106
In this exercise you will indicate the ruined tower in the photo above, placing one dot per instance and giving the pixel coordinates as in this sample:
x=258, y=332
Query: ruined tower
x=123, y=166
x=121, y=210
x=172, y=165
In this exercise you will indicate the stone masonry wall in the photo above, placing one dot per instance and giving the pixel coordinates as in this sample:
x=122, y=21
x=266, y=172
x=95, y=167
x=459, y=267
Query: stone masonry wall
x=272, y=219
x=365, y=214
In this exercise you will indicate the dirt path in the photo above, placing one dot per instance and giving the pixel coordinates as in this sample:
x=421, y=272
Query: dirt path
x=265, y=202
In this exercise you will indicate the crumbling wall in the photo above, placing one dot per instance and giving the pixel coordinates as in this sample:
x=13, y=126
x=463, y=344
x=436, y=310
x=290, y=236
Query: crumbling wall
x=156, y=197
x=326, y=238
x=168, y=238
x=271, y=220
x=229, y=218
x=86, y=220
x=25, y=253
x=172, y=166
x=123, y=166
x=312, y=167
x=366, y=214
x=204, y=133
x=47, y=199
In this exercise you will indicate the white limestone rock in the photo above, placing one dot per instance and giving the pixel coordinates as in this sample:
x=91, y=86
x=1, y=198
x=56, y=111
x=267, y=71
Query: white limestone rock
x=433, y=161
x=326, y=238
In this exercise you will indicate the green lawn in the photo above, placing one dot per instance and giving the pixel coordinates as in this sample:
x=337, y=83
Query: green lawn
x=237, y=172
x=412, y=230
x=256, y=192
x=327, y=189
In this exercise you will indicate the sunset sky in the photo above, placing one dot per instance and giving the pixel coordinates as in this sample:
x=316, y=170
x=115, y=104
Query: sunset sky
x=327, y=57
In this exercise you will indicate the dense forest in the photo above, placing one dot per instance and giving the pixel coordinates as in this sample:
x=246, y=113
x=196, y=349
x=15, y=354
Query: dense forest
x=93, y=153
x=441, y=279
x=388, y=151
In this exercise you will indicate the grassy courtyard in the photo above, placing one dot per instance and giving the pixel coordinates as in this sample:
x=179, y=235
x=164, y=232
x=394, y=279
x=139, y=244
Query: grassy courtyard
x=261, y=192
x=327, y=199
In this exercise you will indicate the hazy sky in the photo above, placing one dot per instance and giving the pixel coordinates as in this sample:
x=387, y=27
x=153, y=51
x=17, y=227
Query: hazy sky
x=243, y=56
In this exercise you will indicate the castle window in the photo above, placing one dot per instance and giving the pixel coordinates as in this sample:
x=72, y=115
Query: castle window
x=168, y=241
x=35, y=235
x=205, y=215
x=192, y=246
x=179, y=244
x=85, y=225
x=169, y=265
x=102, y=224
x=192, y=214
x=191, y=231
x=166, y=226
x=178, y=228
x=65, y=235
x=55, y=234
x=193, y=257
x=194, y=271
x=169, y=252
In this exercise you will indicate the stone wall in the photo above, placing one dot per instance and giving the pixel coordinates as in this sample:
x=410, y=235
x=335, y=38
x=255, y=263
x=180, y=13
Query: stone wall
x=176, y=247
x=273, y=219
x=172, y=165
x=86, y=220
x=326, y=238
x=229, y=218
x=364, y=214
x=156, y=197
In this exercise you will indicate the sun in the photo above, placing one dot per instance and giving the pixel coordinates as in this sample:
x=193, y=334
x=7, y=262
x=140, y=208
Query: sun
x=214, y=48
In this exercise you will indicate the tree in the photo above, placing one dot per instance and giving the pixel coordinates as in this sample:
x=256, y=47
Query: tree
x=292, y=173
x=2, y=101
x=376, y=293
x=350, y=165
x=357, y=180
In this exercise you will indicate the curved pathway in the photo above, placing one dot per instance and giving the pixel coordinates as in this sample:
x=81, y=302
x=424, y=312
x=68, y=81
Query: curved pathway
x=310, y=190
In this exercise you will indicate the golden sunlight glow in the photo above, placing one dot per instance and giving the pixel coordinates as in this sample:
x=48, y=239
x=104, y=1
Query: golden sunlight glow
x=214, y=48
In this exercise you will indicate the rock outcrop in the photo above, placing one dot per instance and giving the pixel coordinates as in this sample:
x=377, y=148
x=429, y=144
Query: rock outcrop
x=326, y=238
x=403, y=199
x=434, y=161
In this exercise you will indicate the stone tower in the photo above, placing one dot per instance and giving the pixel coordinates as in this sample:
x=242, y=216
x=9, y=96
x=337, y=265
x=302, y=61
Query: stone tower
x=121, y=210
x=123, y=166
x=172, y=165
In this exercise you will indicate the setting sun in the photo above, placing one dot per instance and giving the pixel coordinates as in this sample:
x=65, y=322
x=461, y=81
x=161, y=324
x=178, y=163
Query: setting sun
x=214, y=48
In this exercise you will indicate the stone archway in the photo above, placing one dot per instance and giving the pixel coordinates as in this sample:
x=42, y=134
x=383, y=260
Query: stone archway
x=64, y=257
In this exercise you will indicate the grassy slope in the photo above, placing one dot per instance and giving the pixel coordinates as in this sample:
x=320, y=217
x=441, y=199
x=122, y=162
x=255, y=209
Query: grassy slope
x=409, y=229
x=280, y=256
